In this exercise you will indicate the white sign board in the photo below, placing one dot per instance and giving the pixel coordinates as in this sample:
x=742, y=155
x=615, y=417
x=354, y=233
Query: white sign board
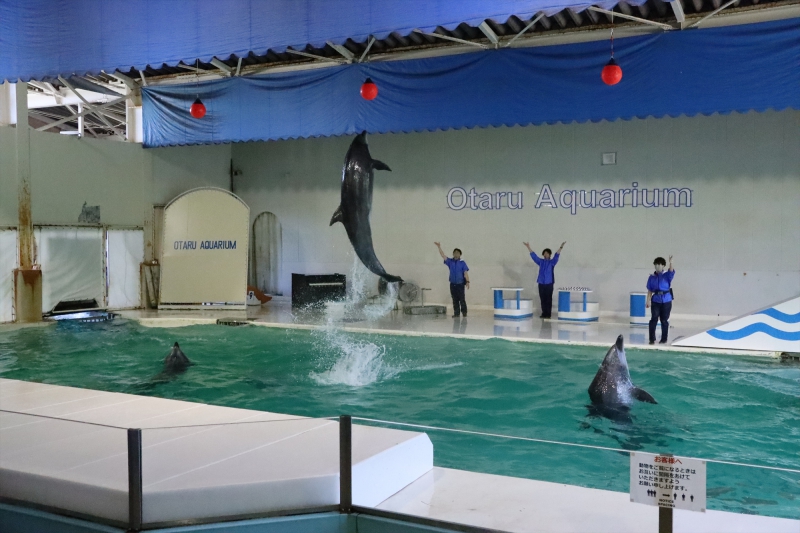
x=204, y=250
x=667, y=481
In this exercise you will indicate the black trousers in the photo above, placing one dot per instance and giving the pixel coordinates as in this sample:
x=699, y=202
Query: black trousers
x=659, y=311
x=459, y=300
x=546, y=296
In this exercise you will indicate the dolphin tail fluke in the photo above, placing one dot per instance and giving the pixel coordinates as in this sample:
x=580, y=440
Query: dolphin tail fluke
x=337, y=216
x=642, y=395
x=380, y=165
x=391, y=279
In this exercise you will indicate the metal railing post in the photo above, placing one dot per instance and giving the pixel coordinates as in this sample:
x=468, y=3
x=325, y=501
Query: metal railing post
x=135, y=479
x=664, y=520
x=345, y=464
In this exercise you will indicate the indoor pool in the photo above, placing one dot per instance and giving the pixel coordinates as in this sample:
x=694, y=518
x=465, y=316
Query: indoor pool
x=736, y=409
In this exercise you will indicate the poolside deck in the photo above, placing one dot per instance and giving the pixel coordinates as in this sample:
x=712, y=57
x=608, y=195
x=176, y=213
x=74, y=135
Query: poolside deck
x=481, y=324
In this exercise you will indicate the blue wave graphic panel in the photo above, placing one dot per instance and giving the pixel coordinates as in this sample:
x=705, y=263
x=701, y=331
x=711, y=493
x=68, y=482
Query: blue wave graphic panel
x=755, y=328
x=778, y=315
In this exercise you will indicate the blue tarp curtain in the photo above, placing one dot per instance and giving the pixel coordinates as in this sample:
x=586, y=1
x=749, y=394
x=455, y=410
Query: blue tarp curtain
x=46, y=38
x=718, y=70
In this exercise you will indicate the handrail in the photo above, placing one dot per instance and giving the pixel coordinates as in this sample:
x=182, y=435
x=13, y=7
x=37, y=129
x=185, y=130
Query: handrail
x=575, y=444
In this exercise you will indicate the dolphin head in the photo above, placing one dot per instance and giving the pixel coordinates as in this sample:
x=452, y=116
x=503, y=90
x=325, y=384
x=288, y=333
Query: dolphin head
x=619, y=349
x=176, y=360
x=361, y=138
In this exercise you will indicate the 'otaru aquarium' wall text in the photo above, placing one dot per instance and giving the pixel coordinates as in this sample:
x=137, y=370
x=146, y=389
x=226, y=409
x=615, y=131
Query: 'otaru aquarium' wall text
x=459, y=198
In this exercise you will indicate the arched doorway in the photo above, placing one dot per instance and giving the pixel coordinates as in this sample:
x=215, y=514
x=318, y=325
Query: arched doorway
x=265, y=271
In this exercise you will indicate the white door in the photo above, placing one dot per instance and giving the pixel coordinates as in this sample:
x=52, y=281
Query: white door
x=265, y=270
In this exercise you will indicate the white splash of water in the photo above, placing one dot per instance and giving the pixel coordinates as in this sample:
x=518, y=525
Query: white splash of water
x=356, y=363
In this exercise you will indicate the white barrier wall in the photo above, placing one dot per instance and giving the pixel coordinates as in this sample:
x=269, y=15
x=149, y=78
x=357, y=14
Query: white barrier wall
x=736, y=247
x=72, y=264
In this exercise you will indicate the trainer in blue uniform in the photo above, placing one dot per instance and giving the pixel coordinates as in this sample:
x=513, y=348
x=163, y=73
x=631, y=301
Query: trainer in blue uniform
x=458, y=280
x=546, y=278
x=659, y=294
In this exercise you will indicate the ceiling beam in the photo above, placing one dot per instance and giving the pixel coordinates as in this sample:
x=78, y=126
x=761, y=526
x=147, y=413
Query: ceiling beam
x=129, y=82
x=720, y=8
x=312, y=56
x=228, y=71
x=366, y=50
x=454, y=39
x=85, y=102
x=631, y=17
x=677, y=8
x=83, y=113
x=530, y=25
x=489, y=33
x=343, y=51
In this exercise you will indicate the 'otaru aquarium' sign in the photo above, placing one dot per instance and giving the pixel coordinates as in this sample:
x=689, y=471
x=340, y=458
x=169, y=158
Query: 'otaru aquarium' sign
x=204, y=245
x=459, y=198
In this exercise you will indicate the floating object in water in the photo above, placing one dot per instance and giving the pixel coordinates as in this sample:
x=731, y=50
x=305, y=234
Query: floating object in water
x=612, y=386
x=230, y=322
x=79, y=311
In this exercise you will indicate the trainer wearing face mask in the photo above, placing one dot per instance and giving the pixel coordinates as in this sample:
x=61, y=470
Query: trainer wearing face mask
x=659, y=298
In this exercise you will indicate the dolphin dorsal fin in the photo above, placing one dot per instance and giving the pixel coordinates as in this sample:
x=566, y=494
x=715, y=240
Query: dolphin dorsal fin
x=337, y=216
x=380, y=165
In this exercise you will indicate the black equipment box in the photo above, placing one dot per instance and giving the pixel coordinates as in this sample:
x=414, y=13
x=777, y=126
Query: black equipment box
x=317, y=289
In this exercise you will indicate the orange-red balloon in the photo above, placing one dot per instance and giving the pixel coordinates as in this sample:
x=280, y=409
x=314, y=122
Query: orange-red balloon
x=612, y=73
x=369, y=91
x=198, y=109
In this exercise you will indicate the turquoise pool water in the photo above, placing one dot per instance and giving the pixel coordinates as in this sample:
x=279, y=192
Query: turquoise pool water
x=731, y=408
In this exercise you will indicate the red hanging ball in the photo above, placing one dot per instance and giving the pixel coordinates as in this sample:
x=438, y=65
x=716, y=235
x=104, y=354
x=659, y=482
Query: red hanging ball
x=612, y=73
x=369, y=91
x=198, y=109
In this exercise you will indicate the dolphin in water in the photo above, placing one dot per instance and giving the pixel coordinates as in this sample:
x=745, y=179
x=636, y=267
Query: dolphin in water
x=612, y=387
x=176, y=361
x=356, y=203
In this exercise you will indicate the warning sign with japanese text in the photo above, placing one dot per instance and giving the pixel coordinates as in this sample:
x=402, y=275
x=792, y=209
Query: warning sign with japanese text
x=667, y=481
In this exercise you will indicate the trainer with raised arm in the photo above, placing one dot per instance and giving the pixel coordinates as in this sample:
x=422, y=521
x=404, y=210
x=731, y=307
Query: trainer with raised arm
x=459, y=278
x=659, y=298
x=546, y=278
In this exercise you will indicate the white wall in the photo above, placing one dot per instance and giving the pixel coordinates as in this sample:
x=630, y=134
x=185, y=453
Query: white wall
x=181, y=168
x=124, y=179
x=736, y=249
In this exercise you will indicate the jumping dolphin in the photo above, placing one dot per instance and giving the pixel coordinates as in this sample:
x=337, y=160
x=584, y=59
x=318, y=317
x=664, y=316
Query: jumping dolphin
x=356, y=204
x=176, y=361
x=612, y=385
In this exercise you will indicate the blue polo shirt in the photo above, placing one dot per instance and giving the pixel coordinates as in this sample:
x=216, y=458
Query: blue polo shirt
x=546, y=266
x=660, y=282
x=457, y=268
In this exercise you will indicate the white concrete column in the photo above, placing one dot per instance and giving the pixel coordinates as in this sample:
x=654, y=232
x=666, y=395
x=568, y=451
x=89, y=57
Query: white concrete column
x=8, y=104
x=80, y=120
x=25, y=224
x=27, y=280
x=133, y=117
